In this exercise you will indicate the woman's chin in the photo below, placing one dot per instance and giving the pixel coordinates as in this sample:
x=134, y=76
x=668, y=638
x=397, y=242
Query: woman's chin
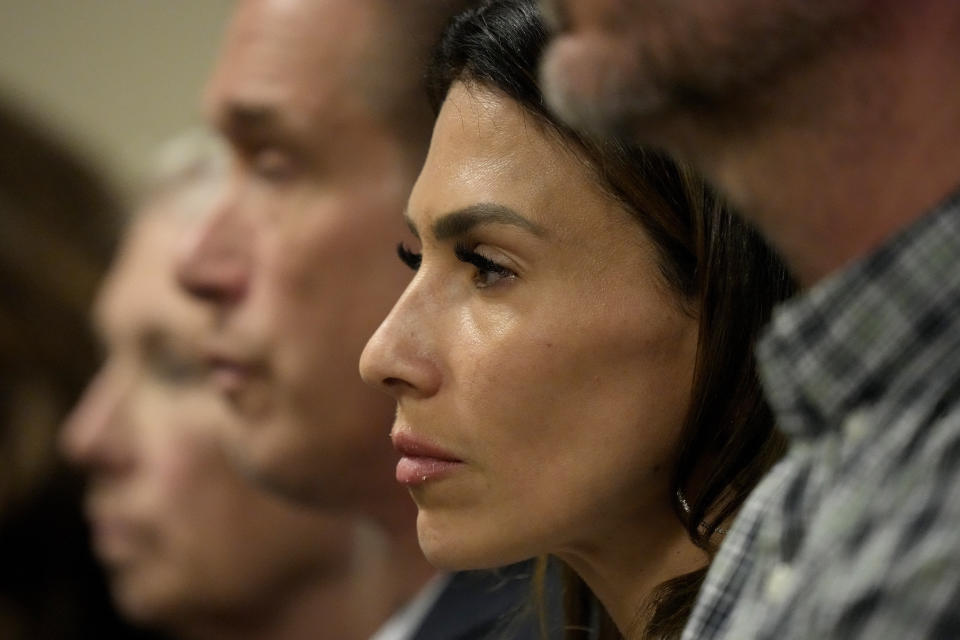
x=462, y=548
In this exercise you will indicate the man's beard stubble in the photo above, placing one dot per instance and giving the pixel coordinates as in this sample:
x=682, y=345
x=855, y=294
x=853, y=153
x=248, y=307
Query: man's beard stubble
x=691, y=57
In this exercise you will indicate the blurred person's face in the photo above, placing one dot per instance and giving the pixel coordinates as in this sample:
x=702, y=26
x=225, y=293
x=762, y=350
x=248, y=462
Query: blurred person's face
x=618, y=65
x=184, y=538
x=299, y=257
x=541, y=365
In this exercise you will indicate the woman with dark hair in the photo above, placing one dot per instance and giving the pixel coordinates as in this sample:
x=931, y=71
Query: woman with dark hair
x=572, y=361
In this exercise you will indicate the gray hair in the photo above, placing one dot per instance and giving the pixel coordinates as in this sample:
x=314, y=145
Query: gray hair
x=188, y=172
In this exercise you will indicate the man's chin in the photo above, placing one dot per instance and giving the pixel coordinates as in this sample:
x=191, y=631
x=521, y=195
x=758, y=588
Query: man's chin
x=141, y=600
x=282, y=485
x=588, y=84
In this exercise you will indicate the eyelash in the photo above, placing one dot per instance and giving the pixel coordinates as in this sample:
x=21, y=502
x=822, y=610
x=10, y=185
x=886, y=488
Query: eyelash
x=483, y=264
x=464, y=253
x=410, y=258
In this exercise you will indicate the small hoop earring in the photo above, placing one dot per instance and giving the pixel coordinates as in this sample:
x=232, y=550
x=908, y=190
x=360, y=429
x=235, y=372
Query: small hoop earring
x=703, y=525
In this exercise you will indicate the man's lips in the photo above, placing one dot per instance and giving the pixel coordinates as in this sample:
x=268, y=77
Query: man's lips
x=243, y=382
x=420, y=460
x=116, y=537
x=230, y=374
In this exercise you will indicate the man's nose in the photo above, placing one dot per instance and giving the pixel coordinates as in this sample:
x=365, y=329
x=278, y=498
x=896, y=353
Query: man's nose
x=94, y=436
x=214, y=264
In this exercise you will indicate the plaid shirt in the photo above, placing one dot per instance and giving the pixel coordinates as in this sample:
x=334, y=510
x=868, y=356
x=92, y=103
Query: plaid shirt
x=856, y=532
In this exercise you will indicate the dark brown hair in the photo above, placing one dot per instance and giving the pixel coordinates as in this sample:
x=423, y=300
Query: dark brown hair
x=57, y=230
x=56, y=239
x=719, y=267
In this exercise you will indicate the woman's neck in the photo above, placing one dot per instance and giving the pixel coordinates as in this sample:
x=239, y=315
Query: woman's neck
x=624, y=565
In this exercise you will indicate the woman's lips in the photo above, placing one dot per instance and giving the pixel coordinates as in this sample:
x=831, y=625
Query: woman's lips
x=414, y=470
x=421, y=461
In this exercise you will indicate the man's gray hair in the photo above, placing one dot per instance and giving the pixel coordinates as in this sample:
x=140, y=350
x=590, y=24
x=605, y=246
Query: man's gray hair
x=188, y=172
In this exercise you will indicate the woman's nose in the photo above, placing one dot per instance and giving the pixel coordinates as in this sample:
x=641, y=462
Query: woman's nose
x=401, y=358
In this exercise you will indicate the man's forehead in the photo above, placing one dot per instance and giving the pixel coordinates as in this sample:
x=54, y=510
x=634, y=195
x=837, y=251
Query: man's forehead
x=282, y=44
x=268, y=79
x=140, y=286
x=134, y=311
x=119, y=314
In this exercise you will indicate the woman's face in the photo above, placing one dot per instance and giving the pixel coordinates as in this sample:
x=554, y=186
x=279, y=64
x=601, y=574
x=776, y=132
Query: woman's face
x=541, y=366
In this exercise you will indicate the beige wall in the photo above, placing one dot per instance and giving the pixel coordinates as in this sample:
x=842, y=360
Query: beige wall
x=117, y=77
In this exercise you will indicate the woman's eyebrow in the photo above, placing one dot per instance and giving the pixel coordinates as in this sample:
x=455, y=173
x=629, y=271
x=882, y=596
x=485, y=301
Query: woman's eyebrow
x=457, y=223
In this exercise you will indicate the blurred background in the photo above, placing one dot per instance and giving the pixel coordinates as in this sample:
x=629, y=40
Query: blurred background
x=113, y=78
x=89, y=89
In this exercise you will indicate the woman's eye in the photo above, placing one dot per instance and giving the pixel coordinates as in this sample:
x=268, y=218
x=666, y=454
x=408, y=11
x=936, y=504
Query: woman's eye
x=410, y=258
x=488, y=272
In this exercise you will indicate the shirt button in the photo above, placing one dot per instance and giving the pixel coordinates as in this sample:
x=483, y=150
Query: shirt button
x=779, y=582
x=856, y=426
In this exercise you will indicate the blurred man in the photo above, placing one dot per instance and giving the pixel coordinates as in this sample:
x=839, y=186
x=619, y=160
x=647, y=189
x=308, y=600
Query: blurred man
x=321, y=103
x=190, y=547
x=834, y=126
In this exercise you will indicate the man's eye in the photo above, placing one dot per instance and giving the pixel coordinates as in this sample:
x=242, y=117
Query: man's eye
x=409, y=257
x=174, y=369
x=274, y=164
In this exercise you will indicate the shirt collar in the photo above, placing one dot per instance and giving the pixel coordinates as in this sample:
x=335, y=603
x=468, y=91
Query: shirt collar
x=405, y=622
x=851, y=337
